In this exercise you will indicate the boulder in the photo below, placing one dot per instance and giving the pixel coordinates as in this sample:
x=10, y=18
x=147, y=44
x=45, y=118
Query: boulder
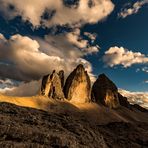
x=52, y=86
x=105, y=92
x=78, y=86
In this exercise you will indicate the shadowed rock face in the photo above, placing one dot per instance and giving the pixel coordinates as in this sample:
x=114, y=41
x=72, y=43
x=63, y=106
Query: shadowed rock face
x=78, y=86
x=61, y=76
x=105, y=92
x=46, y=85
x=123, y=101
x=52, y=86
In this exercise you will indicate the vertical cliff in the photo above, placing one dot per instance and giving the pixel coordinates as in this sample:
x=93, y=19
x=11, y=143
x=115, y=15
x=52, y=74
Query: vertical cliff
x=52, y=85
x=105, y=92
x=78, y=86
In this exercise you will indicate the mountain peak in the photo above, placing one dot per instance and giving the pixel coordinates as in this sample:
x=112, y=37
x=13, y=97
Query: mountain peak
x=105, y=92
x=80, y=66
x=78, y=86
x=102, y=75
x=52, y=86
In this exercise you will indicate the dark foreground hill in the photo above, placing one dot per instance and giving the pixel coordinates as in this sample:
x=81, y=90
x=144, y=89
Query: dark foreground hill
x=22, y=127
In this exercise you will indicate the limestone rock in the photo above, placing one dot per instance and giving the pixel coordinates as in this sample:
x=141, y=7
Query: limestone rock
x=45, y=86
x=61, y=76
x=52, y=87
x=78, y=86
x=105, y=92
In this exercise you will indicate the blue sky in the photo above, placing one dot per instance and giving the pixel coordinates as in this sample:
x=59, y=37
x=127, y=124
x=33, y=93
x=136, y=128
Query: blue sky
x=114, y=29
x=130, y=33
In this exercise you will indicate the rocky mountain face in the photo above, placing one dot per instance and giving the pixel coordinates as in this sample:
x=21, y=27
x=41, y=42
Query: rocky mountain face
x=77, y=89
x=52, y=85
x=123, y=101
x=105, y=92
x=78, y=86
x=61, y=76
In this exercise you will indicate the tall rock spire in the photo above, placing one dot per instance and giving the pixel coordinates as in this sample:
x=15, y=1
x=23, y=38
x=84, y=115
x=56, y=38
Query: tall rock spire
x=52, y=86
x=105, y=92
x=78, y=86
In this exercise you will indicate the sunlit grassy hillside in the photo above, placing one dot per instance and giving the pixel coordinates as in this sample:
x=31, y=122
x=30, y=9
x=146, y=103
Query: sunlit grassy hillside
x=91, y=111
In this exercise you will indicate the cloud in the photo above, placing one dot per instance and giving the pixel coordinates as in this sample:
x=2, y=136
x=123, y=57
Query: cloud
x=21, y=59
x=7, y=83
x=75, y=39
x=121, y=56
x=146, y=81
x=50, y=13
x=133, y=10
x=145, y=69
x=23, y=89
x=25, y=59
x=140, y=98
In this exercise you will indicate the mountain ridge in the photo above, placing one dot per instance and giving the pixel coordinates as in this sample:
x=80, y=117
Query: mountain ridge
x=77, y=88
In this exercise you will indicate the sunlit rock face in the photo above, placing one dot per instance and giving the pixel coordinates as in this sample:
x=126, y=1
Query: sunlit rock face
x=78, y=86
x=105, y=92
x=52, y=86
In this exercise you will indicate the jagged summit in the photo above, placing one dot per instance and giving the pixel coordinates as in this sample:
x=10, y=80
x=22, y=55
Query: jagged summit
x=52, y=85
x=78, y=86
x=105, y=92
x=80, y=66
x=103, y=75
x=104, y=80
x=77, y=89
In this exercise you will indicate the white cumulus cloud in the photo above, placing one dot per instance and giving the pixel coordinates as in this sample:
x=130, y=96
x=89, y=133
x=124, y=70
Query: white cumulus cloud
x=26, y=59
x=121, y=56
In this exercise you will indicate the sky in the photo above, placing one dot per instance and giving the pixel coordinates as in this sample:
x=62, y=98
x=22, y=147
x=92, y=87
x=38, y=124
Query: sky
x=106, y=36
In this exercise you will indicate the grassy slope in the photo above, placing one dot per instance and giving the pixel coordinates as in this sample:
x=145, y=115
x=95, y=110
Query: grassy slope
x=24, y=127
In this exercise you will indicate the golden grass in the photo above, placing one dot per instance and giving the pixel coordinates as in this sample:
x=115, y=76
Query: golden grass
x=38, y=102
x=92, y=111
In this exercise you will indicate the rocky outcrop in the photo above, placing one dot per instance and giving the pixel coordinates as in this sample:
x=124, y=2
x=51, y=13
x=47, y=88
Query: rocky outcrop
x=52, y=85
x=78, y=86
x=77, y=89
x=61, y=76
x=105, y=92
x=138, y=107
x=123, y=101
